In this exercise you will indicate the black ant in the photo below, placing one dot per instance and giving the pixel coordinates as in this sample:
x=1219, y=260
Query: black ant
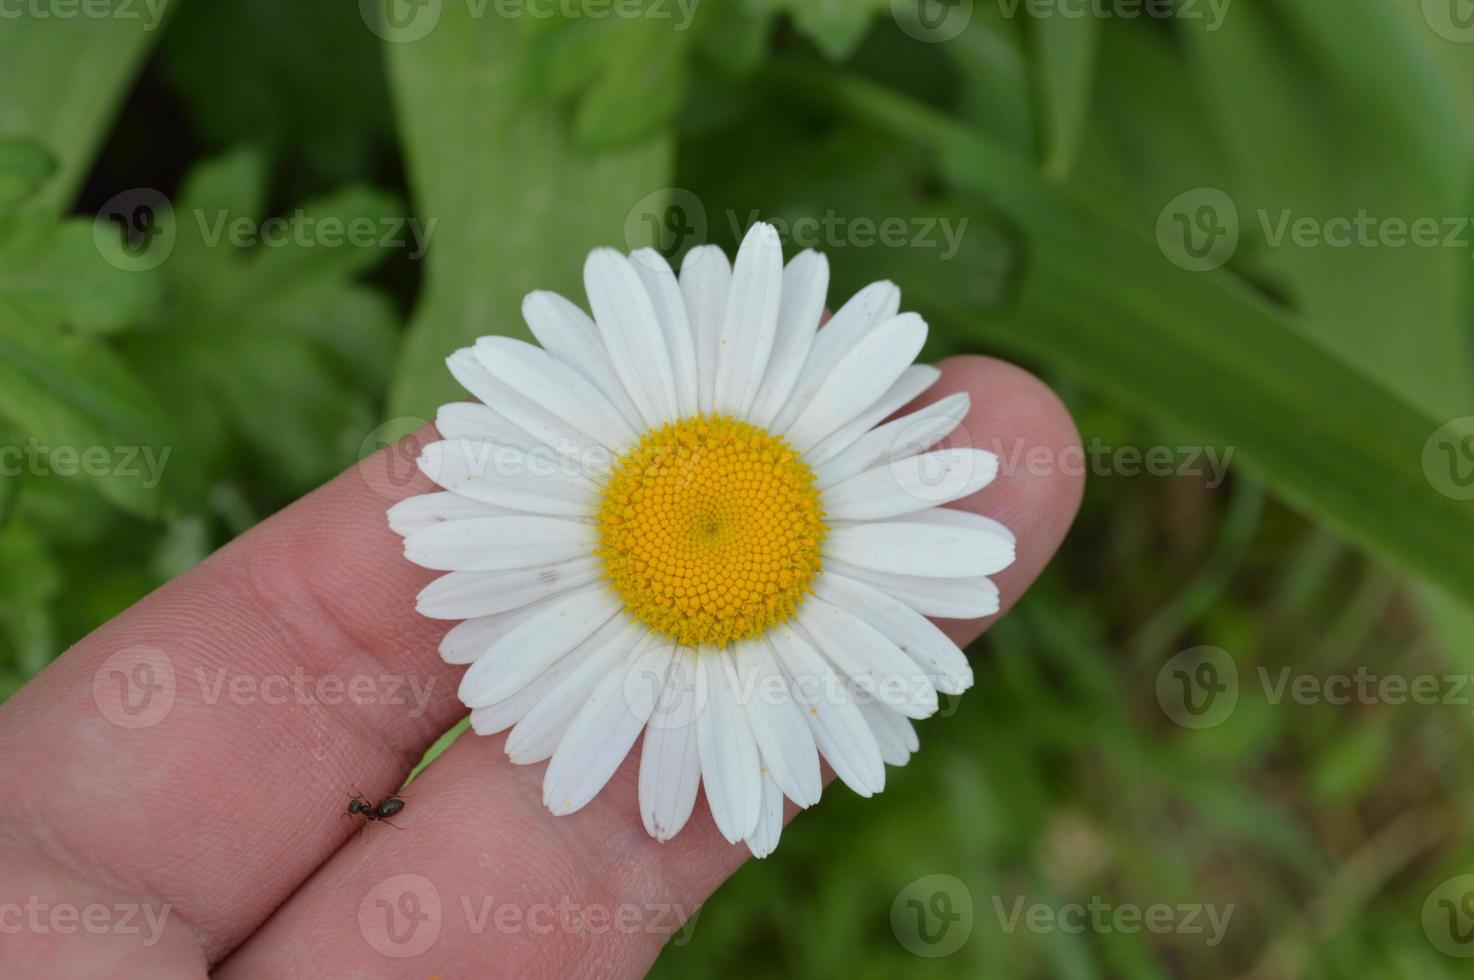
x=383, y=810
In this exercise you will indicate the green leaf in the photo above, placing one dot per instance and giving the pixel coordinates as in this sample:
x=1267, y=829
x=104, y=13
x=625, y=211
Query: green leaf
x=84, y=413
x=73, y=272
x=1356, y=294
x=1097, y=297
x=836, y=26
x=63, y=79
x=518, y=201
x=24, y=165
x=307, y=78
x=1065, y=47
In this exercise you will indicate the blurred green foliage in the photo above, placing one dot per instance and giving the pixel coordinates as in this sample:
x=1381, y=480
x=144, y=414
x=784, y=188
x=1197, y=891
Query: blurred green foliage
x=1030, y=162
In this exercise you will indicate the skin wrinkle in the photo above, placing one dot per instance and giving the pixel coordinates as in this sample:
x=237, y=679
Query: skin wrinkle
x=278, y=871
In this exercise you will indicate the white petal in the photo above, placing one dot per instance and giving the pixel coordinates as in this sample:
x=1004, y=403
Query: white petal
x=670, y=762
x=914, y=547
x=750, y=321
x=931, y=649
x=520, y=704
x=840, y=732
x=670, y=309
x=706, y=278
x=894, y=733
x=913, y=381
x=632, y=334
x=554, y=386
x=601, y=734
x=509, y=478
x=945, y=598
x=911, y=484
x=805, y=282
x=729, y=759
x=414, y=513
x=869, y=658
x=467, y=641
x=764, y=838
x=783, y=737
x=862, y=375
x=541, y=728
x=485, y=544
x=905, y=436
x=569, y=334
x=467, y=595
x=868, y=308
x=541, y=426
x=949, y=517
x=473, y=420
x=532, y=645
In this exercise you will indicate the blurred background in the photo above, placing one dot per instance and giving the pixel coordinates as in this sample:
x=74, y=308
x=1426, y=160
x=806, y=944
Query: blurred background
x=1227, y=735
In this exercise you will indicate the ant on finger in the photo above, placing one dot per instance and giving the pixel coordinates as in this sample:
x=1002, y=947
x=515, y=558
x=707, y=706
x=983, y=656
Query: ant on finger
x=360, y=805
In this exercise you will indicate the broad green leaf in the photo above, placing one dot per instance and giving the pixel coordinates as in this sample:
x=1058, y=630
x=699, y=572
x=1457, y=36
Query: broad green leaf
x=1351, y=159
x=64, y=77
x=286, y=352
x=836, y=26
x=518, y=203
x=73, y=272
x=1098, y=297
x=1065, y=50
x=24, y=165
x=989, y=53
x=84, y=413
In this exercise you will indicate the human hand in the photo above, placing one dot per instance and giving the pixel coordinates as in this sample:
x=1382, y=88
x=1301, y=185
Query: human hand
x=209, y=818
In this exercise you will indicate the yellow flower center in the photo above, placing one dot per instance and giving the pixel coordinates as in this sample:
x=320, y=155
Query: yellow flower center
x=709, y=530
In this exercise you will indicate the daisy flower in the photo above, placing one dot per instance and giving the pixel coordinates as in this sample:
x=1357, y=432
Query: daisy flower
x=687, y=517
